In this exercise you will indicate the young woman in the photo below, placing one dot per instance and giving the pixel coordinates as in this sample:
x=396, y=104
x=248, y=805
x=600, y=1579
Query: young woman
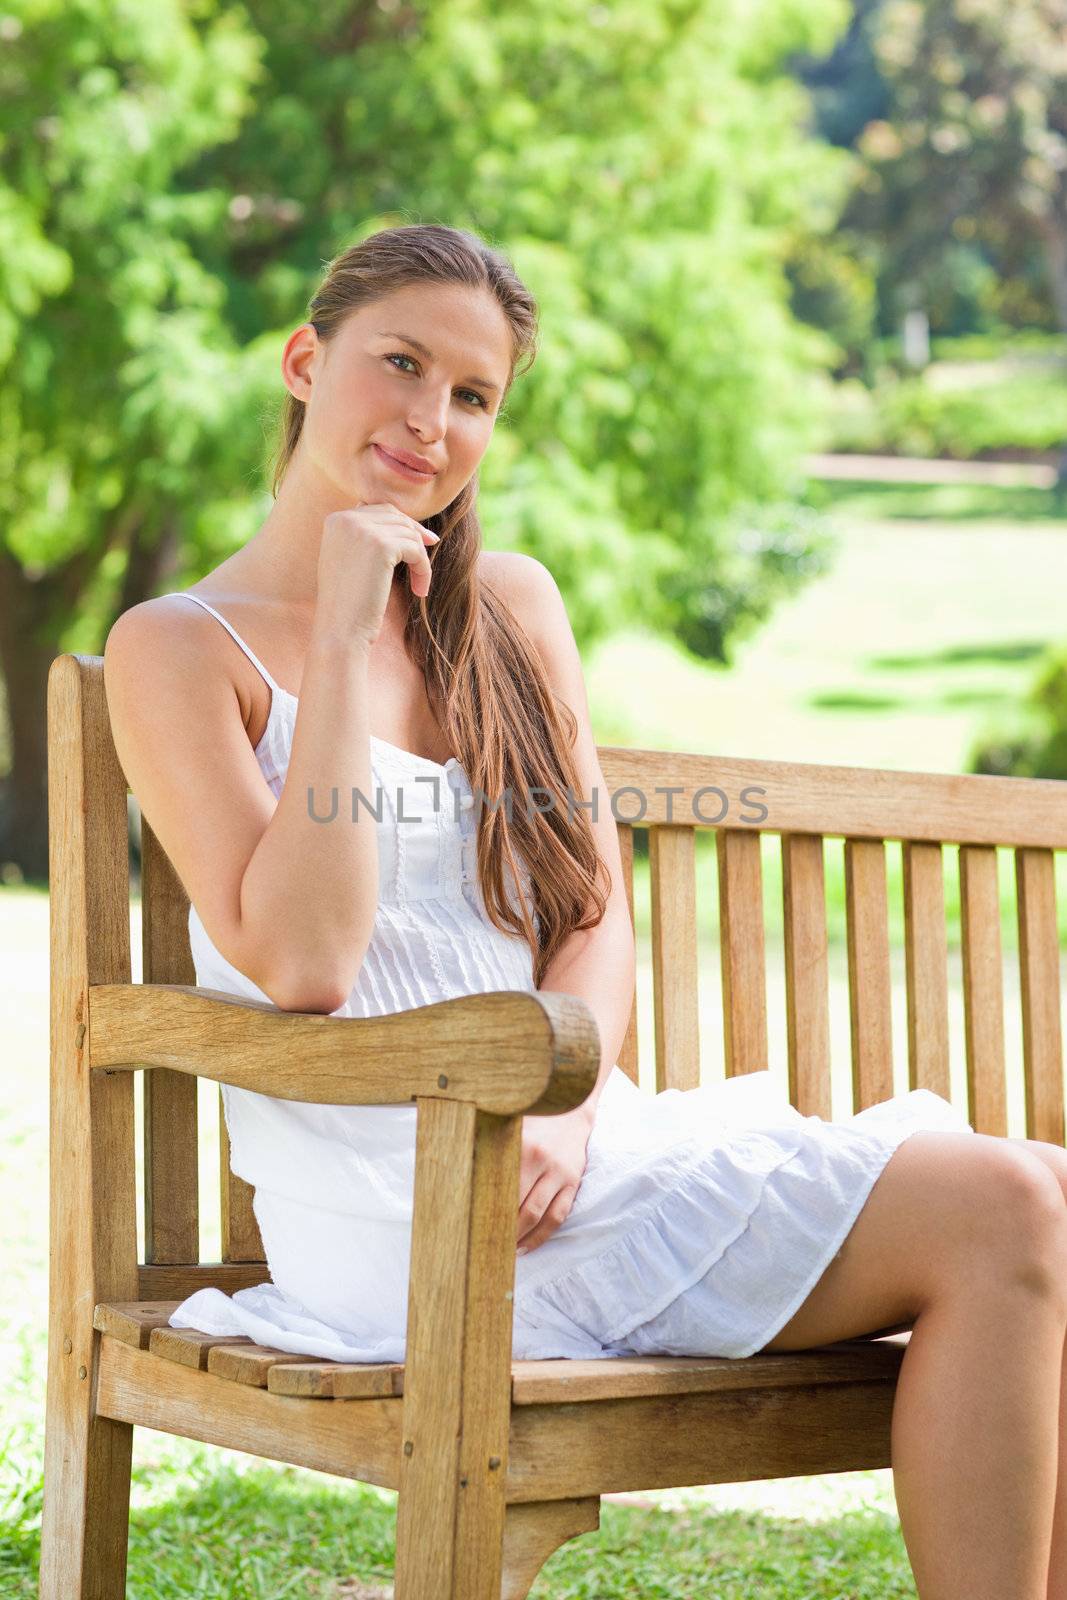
x=364, y=641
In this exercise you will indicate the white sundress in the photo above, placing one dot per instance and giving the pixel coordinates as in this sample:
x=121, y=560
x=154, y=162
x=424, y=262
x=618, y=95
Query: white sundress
x=704, y=1217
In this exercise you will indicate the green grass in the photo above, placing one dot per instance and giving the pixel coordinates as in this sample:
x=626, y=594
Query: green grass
x=937, y=502
x=271, y=1533
x=922, y=636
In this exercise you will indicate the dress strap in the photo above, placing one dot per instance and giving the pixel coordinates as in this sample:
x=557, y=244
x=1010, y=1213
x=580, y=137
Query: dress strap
x=235, y=636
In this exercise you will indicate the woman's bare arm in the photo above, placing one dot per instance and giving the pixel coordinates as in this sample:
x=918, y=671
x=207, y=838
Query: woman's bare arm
x=312, y=884
x=288, y=901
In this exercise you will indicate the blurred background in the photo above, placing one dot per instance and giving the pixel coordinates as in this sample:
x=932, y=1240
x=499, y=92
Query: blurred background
x=795, y=449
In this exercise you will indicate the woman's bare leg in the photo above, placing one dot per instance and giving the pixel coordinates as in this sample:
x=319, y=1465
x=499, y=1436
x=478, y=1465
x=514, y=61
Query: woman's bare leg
x=1055, y=1158
x=965, y=1236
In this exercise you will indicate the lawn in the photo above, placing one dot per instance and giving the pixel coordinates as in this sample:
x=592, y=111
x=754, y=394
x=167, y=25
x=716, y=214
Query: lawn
x=921, y=630
x=924, y=624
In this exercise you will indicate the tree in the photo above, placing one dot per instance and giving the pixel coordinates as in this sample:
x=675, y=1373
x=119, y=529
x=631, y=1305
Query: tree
x=973, y=149
x=172, y=181
x=117, y=367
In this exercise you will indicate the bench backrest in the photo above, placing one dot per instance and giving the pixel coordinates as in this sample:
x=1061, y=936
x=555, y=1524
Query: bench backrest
x=753, y=808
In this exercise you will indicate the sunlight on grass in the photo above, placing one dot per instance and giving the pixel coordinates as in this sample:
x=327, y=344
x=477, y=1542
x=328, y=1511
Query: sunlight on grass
x=917, y=635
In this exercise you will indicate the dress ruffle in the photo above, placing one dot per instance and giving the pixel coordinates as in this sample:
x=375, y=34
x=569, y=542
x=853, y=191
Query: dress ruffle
x=703, y=1220
x=686, y=1204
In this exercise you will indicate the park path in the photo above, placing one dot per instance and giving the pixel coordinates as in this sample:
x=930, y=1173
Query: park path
x=919, y=469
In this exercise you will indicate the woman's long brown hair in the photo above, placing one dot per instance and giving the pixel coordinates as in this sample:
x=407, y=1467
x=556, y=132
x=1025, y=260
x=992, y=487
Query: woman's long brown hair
x=484, y=680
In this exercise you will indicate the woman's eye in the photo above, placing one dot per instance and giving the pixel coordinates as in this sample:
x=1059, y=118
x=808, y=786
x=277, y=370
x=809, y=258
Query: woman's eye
x=400, y=355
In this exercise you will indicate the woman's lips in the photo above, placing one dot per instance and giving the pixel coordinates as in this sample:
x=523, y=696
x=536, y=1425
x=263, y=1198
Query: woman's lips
x=399, y=466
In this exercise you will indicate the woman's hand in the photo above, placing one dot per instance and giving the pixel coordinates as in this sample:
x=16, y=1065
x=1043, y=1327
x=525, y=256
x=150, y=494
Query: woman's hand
x=360, y=549
x=550, y=1172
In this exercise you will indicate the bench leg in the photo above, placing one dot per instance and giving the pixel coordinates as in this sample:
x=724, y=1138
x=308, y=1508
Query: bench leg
x=86, y=1513
x=533, y=1529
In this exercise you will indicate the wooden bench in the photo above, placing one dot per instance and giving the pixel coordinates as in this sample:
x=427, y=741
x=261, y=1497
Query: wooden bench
x=496, y=1462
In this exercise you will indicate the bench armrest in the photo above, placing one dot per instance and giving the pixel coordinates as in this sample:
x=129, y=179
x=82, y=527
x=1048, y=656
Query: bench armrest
x=505, y=1052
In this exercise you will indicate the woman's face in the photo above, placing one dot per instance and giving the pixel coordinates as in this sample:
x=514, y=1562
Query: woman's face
x=371, y=387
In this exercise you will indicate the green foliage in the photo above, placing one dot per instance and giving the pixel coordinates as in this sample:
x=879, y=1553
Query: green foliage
x=771, y=550
x=952, y=410
x=953, y=110
x=1032, y=742
x=835, y=289
x=847, y=88
x=965, y=176
x=1027, y=412
x=175, y=178
x=119, y=385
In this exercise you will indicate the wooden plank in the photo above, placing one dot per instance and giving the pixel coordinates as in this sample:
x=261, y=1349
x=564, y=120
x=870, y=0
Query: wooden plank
x=457, y=1400
x=179, y=1282
x=741, y=947
x=132, y=1321
x=926, y=967
x=675, y=970
x=510, y=1051
x=189, y=1347
x=359, y=1442
x=559, y=1382
x=573, y=1381
x=336, y=1380
x=248, y=1363
x=92, y=1176
x=241, y=1239
x=983, y=989
x=628, y=1052
x=171, y=1183
x=869, y=981
x=1039, y=981
x=668, y=1441
x=856, y=802
x=807, y=974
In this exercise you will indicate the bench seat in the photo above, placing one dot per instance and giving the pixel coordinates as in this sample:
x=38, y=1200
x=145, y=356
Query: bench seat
x=145, y=1325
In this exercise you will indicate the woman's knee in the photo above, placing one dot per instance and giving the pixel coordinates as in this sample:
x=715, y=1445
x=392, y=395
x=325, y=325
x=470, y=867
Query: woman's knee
x=1008, y=1220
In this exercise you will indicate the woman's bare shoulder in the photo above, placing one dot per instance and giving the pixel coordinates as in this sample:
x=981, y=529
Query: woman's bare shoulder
x=522, y=582
x=167, y=645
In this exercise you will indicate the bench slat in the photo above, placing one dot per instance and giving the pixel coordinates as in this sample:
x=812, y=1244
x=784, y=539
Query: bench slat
x=926, y=967
x=1039, y=979
x=741, y=943
x=675, y=967
x=319, y=1380
x=807, y=973
x=559, y=1382
x=247, y=1363
x=869, y=980
x=188, y=1346
x=132, y=1321
x=983, y=989
x=171, y=1184
x=178, y=1282
x=628, y=1051
x=241, y=1239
